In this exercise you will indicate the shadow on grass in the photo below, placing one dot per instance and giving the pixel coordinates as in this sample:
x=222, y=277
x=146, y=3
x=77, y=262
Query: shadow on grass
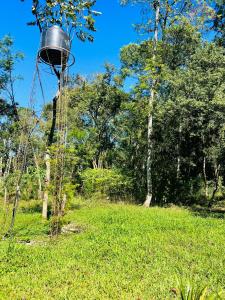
x=204, y=212
x=75, y=206
x=35, y=207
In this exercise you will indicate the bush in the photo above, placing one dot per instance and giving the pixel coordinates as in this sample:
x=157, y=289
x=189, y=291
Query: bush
x=108, y=182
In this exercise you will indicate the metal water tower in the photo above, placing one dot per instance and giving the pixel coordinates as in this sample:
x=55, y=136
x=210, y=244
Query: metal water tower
x=55, y=47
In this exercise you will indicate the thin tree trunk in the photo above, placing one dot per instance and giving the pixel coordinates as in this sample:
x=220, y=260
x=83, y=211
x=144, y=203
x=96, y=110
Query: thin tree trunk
x=178, y=167
x=47, y=158
x=12, y=97
x=40, y=194
x=1, y=167
x=15, y=205
x=216, y=184
x=5, y=195
x=1, y=174
x=47, y=183
x=178, y=153
x=8, y=166
x=63, y=204
x=54, y=113
x=94, y=163
x=205, y=178
x=148, y=200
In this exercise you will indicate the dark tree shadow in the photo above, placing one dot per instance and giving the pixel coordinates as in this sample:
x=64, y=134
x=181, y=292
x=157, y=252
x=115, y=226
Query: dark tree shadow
x=204, y=212
x=32, y=208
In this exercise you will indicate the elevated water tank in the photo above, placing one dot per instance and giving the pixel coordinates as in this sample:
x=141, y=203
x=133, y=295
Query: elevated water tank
x=55, y=46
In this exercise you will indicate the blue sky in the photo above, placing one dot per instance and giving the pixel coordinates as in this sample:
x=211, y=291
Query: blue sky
x=114, y=29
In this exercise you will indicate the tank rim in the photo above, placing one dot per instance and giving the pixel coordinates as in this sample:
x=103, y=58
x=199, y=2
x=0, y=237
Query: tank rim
x=70, y=55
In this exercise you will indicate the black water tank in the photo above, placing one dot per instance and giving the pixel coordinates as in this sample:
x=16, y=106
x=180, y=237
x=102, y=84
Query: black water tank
x=55, y=46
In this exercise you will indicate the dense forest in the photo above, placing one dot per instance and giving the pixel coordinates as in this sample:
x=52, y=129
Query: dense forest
x=161, y=142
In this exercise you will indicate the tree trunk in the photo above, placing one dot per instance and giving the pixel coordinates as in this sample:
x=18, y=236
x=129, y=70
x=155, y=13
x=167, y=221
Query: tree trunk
x=1, y=174
x=63, y=205
x=1, y=167
x=40, y=194
x=5, y=196
x=94, y=163
x=205, y=178
x=15, y=205
x=47, y=183
x=8, y=166
x=178, y=153
x=216, y=184
x=47, y=158
x=148, y=200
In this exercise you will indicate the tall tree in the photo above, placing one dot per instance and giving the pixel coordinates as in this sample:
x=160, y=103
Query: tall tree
x=9, y=114
x=174, y=52
x=8, y=59
x=162, y=15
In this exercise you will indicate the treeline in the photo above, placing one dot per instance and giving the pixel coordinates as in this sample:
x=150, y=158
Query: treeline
x=120, y=144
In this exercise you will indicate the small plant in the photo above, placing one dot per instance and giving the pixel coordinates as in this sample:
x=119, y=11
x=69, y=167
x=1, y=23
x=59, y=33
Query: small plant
x=192, y=292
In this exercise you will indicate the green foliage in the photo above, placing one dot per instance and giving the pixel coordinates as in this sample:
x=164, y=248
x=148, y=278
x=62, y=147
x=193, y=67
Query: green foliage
x=8, y=60
x=219, y=22
x=187, y=116
x=76, y=17
x=108, y=182
x=94, y=106
x=30, y=183
x=10, y=184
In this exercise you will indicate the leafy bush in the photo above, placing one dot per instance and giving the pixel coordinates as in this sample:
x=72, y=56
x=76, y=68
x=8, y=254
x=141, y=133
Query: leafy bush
x=108, y=182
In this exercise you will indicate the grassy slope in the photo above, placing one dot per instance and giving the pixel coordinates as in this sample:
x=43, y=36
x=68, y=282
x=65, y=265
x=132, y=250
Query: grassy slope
x=125, y=252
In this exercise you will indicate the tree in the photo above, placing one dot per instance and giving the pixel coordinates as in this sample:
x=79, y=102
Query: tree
x=9, y=113
x=164, y=15
x=199, y=90
x=94, y=107
x=8, y=59
x=180, y=42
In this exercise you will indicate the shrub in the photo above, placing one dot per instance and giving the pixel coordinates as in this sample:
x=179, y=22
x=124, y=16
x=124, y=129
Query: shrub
x=108, y=182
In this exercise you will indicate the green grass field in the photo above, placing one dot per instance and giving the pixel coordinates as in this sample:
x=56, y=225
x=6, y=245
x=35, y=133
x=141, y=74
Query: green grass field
x=122, y=252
